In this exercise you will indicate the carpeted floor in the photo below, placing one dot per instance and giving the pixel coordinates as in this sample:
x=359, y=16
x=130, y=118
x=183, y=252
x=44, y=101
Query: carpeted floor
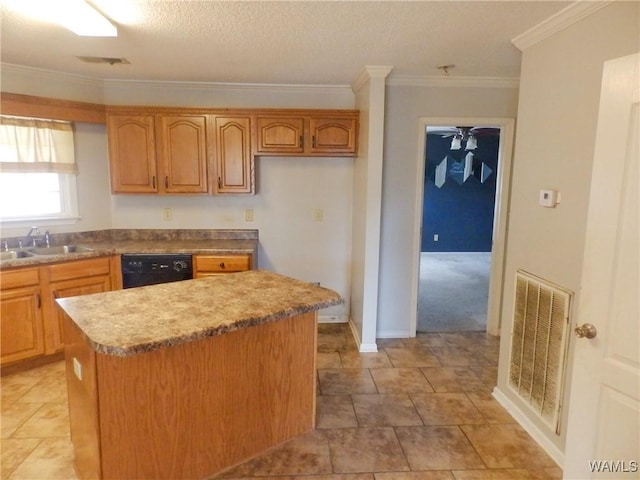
x=453, y=292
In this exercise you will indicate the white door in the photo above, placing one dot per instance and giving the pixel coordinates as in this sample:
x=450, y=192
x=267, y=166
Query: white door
x=603, y=436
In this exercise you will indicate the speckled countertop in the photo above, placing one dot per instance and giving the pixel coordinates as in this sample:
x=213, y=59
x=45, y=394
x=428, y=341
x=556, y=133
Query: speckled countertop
x=109, y=242
x=137, y=320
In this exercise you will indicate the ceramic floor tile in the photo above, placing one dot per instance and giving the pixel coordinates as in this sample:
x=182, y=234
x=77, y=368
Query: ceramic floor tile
x=549, y=473
x=55, y=369
x=489, y=407
x=456, y=357
x=412, y=357
x=438, y=448
x=47, y=389
x=446, y=409
x=328, y=360
x=336, y=476
x=345, y=381
x=487, y=374
x=470, y=339
x=359, y=450
x=438, y=475
x=51, y=420
x=335, y=342
x=389, y=410
x=15, y=414
x=52, y=459
x=506, y=446
x=14, y=451
x=335, y=411
x=424, y=340
x=365, y=360
x=306, y=454
x=13, y=387
x=502, y=474
x=400, y=380
x=390, y=343
x=454, y=379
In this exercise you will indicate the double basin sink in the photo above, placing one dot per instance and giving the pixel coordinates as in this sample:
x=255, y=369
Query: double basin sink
x=28, y=252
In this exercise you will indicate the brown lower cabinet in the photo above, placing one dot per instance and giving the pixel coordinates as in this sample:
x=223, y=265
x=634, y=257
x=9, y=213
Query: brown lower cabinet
x=31, y=325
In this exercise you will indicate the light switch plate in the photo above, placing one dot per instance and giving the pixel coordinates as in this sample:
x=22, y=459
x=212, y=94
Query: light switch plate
x=549, y=198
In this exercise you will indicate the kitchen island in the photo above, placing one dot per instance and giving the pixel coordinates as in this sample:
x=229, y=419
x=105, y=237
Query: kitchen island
x=186, y=379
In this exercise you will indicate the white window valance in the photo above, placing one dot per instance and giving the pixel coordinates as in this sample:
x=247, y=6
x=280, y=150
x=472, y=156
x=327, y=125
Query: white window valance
x=35, y=145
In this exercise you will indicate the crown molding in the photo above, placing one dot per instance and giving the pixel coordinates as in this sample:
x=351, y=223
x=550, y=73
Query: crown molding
x=182, y=85
x=558, y=22
x=457, y=82
x=368, y=73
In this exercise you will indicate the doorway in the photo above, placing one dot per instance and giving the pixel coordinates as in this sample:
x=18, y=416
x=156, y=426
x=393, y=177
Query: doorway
x=463, y=169
x=457, y=227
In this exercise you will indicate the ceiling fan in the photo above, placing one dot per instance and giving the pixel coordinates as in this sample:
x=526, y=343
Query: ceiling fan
x=463, y=134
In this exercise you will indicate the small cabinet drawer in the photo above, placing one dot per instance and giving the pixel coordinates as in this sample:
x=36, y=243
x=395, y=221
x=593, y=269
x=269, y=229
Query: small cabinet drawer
x=19, y=278
x=79, y=269
x=218, y=264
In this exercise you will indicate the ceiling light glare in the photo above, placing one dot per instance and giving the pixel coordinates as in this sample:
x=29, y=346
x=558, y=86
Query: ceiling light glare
x=84, y=20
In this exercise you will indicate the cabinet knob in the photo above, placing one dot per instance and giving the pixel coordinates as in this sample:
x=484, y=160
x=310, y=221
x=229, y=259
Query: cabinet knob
x=222, y=265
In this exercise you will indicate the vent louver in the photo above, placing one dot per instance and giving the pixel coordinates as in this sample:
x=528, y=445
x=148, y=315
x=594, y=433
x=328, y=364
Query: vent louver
x=107, y=60
x=539, y=345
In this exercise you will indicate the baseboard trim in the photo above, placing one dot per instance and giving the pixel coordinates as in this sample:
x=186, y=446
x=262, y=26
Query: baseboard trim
x=362, y=347
x=332, y=319
x=541, y=439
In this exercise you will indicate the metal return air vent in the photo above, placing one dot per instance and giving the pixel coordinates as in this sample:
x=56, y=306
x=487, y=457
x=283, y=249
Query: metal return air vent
x=539, y=346
x=108, y=60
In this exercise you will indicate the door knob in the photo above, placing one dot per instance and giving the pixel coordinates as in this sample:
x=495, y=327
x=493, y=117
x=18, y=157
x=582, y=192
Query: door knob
x=586, y=331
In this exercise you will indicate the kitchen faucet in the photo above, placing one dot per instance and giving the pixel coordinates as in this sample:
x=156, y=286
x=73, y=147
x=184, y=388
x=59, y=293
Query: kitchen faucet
x=33, y=229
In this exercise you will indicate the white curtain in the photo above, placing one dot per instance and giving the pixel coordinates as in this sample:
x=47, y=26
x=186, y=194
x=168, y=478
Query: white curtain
x=34, y=145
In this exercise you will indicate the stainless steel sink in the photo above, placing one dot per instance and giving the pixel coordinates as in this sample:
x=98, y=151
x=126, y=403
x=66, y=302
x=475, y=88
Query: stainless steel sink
x=14, y=254
x=59, y=250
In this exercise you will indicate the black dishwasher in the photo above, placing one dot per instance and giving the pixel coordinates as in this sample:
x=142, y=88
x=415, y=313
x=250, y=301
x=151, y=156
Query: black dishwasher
x=153, y=268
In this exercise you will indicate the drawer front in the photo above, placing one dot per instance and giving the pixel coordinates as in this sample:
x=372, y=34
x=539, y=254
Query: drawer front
x=79, y=269
x=19, y=278
x=222, y=263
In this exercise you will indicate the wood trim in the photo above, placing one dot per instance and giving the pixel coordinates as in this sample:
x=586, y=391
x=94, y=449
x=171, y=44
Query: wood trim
x=43, y=107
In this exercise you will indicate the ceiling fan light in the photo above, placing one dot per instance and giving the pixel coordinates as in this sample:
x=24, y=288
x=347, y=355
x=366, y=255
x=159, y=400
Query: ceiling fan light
x=472, y=143
x=456, y=142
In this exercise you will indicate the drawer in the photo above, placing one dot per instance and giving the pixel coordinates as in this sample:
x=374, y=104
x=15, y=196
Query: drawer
x=20, y=277
x=221, y=263
x=79, y=269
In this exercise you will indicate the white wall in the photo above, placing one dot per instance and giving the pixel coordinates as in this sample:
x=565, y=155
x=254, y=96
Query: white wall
x=557, y=113
x=402, y=164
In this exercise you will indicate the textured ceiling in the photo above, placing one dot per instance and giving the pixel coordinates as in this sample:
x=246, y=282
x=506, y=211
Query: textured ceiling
x=290, y=42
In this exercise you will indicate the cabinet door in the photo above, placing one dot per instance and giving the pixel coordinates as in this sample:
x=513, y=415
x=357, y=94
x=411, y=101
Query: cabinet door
x=280, y=135
x=234, y=161
x=132, y=153
x=333, y=135
x=71, y=288
x=21, y=333
x=182, y=153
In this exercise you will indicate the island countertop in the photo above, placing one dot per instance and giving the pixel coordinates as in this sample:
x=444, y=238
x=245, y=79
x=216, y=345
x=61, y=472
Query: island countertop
x=137, y=320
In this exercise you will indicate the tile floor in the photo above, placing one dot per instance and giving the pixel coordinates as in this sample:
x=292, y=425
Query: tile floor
x=419, y=409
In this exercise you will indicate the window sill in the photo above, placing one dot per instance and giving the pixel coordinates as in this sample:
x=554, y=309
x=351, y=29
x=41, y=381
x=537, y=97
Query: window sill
x=44, y=221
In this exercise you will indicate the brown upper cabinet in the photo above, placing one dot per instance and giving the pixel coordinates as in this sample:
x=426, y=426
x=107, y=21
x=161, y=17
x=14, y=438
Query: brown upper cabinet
x=158, y=153
x=234, y=163
x=307, y=135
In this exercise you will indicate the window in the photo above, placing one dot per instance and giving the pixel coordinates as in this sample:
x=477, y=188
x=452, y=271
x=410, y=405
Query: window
x=37, y=171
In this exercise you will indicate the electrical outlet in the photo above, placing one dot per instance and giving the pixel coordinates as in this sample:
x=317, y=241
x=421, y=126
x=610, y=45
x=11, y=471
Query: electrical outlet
x=436, y=237
x=167, y=214
x=248, y=215
x=77, y=368
x=318, y=215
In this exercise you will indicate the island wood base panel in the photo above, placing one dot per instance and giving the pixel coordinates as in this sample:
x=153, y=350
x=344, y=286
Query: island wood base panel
x=194, y=409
